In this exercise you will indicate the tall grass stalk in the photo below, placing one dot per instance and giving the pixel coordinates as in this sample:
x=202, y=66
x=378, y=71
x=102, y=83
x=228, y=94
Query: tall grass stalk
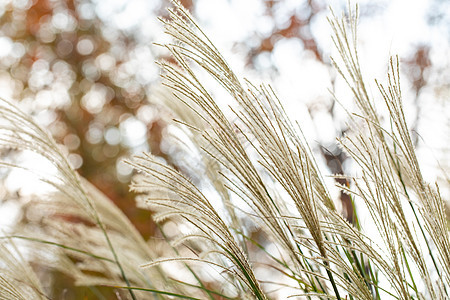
x=257, y=221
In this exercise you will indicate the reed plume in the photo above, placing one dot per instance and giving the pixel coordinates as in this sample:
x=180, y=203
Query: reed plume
x=250, y=170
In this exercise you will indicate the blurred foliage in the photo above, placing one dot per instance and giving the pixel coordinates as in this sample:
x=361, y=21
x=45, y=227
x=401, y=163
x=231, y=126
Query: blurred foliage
x=79, y=78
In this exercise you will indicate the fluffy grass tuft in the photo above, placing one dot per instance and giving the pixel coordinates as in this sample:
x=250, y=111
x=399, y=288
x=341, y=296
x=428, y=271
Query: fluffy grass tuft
x=254, y=173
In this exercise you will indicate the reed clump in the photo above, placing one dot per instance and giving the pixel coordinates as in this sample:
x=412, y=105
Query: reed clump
x=255, y=173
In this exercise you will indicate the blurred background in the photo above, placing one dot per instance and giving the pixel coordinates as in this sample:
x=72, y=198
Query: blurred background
x=86, y=71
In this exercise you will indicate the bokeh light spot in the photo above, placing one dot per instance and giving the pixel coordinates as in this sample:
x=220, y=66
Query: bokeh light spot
x=75, y=160
x=112, y=136
x=85, y=46
x=72, y=141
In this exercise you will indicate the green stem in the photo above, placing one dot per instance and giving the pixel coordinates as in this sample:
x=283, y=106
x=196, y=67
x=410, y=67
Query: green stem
x=58, y=245
x=116, y=258
x=409, y=272
x=330, y=276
